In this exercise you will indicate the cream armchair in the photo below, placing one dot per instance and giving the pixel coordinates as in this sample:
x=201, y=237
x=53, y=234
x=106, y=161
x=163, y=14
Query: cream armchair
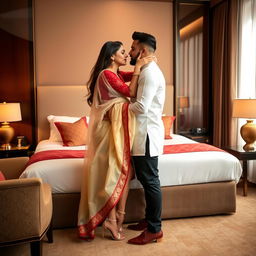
x=25, y=207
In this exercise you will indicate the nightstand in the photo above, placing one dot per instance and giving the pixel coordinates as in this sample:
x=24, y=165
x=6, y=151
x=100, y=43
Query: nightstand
x=15, y=151
x=198, y=138
x=244, y=156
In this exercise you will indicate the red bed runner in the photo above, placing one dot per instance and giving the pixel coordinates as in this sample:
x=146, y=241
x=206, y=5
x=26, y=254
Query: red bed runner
x=168, y=149
x=56, y=154
x=188, y=148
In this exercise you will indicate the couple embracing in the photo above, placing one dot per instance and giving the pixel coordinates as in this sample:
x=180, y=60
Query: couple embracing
x=125, y=137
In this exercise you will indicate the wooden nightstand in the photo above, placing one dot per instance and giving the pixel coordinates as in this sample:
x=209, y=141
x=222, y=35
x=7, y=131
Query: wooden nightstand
x=15, y=151
x=198, y=138
x=244, y=156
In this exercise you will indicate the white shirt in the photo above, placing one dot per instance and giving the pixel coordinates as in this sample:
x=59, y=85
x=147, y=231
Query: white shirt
x=148, y=108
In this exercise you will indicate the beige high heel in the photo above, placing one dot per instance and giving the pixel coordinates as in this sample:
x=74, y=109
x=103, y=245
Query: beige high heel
x=106, y=226
x=119, y=227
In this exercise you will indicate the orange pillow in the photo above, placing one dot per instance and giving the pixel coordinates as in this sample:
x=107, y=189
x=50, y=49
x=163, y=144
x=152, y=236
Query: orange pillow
x=73, y=134
x=2, y=176
x=168, y=121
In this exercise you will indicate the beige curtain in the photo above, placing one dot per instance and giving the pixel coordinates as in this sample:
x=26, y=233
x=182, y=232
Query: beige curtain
x=224, y=62
x=191, y=61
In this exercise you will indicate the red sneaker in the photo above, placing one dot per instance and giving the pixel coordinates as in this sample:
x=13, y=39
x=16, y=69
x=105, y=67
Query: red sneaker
x=141, y=225
x=146, y=237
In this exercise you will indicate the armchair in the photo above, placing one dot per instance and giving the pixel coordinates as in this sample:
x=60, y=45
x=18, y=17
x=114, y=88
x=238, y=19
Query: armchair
x=25, y=207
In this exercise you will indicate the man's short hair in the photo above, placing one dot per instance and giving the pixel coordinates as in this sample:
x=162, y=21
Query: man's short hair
x=145, y=38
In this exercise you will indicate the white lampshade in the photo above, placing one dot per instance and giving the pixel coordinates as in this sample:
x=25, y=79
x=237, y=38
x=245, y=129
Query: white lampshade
x=244, y=108
x=10, y=112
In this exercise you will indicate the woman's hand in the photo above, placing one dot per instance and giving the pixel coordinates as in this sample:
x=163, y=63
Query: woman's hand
x=145, y=60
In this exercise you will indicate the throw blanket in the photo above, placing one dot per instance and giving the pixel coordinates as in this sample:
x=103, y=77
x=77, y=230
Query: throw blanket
x=168, y=149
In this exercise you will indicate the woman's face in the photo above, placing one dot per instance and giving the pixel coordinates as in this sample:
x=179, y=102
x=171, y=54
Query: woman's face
x=120, y=57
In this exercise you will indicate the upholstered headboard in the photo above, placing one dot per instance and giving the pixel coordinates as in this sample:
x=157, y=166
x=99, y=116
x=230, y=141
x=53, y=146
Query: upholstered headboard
x=60, y=100
x=70, y=100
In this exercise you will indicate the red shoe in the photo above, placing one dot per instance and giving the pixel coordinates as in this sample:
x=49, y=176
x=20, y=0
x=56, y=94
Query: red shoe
x=141, y=225
x=82, y=234
x=146, y=237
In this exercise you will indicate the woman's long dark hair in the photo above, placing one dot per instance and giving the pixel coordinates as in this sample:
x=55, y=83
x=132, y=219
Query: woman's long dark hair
x=103, y=61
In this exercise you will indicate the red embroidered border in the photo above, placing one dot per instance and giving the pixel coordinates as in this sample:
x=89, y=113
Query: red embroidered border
x=115, y=197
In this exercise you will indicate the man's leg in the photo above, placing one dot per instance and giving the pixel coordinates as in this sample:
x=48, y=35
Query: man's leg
x=146, y=168
x=147, y=174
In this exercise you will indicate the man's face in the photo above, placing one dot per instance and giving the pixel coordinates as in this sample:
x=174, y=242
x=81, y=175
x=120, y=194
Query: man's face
x=134, y=52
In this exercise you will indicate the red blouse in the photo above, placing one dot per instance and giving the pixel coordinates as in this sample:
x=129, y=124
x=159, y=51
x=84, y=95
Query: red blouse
x=118, y=81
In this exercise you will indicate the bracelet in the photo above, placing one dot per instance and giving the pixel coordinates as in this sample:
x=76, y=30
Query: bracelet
x=136, y=74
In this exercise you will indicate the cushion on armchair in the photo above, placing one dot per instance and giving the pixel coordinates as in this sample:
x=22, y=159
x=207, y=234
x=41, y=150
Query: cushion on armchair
x=1, y=176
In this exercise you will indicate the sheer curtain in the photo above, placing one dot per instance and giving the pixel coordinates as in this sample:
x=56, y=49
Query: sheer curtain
x=247, y=64
x=191, y=57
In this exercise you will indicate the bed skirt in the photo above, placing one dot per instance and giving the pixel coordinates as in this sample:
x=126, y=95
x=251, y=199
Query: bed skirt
x=178, y=201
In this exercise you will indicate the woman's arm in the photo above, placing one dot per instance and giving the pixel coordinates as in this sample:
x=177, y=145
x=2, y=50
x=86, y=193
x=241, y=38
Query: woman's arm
x=127, y=76
x=135, y=77
x=118, y=84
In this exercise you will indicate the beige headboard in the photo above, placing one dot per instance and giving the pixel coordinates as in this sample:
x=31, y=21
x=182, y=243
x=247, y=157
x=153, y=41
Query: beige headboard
x=70, y=100
x=60, y=100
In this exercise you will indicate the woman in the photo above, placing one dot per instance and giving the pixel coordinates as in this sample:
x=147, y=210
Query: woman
x=111, y=130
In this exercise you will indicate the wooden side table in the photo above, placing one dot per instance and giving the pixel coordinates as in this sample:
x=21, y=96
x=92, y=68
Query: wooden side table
x=15, y=151
x=244, y=156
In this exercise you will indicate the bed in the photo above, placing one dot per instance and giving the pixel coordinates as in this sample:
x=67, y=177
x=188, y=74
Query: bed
x=193, y=184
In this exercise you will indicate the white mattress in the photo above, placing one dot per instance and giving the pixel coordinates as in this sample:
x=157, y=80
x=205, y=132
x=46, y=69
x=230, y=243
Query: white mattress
x=64, y=175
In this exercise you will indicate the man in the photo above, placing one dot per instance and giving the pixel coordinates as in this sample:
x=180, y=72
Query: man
x=149, y=136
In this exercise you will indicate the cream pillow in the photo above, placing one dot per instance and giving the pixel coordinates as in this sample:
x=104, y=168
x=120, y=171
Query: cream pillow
x=54, y=133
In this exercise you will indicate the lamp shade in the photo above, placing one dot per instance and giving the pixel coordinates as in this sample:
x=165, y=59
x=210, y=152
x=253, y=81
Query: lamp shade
x=244, y=108
x=183, y=101
x=10, y=112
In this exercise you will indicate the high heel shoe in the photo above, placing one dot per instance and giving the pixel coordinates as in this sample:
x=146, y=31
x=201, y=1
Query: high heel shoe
x=120, y=220
x=107, y=226
x=82, y=234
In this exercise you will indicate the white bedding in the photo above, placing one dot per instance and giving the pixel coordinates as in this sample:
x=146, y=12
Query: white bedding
x=64, y=175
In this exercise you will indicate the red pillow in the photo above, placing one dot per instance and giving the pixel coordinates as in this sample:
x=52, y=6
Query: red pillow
x=168, y=121
x=2, y=176
x=73, y=134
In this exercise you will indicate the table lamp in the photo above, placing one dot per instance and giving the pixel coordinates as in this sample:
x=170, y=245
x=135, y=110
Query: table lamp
x=183, y=102
x=246, y=108
x=9, y=112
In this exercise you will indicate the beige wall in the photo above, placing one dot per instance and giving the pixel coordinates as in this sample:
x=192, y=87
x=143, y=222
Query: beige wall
x=70, y=33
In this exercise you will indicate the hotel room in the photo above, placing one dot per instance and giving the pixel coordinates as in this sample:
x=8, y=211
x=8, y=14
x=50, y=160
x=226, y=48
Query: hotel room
x=206, y=52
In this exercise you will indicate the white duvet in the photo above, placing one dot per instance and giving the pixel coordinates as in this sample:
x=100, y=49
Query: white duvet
x=64, y=175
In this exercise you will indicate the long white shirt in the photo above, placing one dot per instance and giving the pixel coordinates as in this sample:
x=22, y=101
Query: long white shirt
x=148, y=108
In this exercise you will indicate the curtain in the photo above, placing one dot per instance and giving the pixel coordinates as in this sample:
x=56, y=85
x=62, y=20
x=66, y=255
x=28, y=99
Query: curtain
x=191, y=57
x=247, y=64
x=224, y=63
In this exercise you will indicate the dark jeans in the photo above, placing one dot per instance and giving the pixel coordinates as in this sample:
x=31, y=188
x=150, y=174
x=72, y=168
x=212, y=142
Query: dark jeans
x=146, y=169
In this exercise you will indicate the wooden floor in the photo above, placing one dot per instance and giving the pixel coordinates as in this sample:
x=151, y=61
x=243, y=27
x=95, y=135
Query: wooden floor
x=233, y=235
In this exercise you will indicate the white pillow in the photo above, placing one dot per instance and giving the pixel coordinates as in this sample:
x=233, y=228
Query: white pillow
x=54, y=133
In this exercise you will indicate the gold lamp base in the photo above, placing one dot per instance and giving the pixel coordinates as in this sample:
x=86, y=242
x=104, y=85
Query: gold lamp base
x=248, y=133
x=6, y=135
